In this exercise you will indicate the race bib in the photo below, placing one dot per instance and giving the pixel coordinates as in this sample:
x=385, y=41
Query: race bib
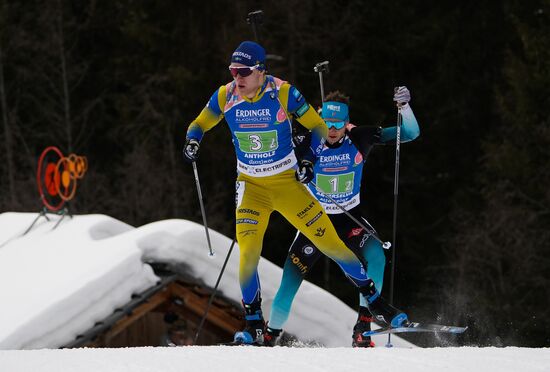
x=336, y=184
x=255, y=142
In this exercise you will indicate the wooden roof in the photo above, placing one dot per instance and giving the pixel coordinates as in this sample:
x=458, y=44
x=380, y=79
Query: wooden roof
x=179, y=295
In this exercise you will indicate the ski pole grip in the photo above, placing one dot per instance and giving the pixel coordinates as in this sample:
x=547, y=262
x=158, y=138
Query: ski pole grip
x=321, y=67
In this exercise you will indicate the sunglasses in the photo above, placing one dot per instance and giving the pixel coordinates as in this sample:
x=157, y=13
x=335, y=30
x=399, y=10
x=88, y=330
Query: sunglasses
x=335, y=124
x=243, y=71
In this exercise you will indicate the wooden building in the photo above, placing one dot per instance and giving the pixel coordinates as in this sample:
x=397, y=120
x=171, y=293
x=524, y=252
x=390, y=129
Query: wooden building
x=167, y=314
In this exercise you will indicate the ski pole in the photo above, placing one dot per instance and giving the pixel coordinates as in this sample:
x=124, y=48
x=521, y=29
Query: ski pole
x=214, y=292
x=211, y=253
x=395, y=194
x=320, y=68
x=255, y=19
x=371, y=231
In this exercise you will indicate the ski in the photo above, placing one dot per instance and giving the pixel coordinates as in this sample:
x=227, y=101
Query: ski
x=417, y=327
x=240, y=343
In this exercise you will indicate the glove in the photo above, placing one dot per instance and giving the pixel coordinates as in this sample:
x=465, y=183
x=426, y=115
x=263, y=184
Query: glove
x=304, y=173
x=191, y=150
x=401, y=95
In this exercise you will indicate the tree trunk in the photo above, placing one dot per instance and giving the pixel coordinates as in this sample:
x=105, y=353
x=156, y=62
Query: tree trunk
x=65, y=83
x=7, y=137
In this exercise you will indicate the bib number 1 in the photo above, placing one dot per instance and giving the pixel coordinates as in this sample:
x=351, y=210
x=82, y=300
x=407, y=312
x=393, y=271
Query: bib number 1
x=335, y=184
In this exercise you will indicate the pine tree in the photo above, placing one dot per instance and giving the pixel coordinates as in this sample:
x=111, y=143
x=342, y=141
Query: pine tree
x=502, y=248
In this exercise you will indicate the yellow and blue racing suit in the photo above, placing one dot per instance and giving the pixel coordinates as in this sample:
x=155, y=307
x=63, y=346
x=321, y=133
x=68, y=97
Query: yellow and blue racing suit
x=262, y=136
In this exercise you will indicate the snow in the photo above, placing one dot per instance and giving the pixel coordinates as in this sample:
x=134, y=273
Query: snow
x=56, y=283
x=242, y=359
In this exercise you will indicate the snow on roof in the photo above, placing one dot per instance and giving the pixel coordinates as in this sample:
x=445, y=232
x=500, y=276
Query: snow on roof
x=57, y=283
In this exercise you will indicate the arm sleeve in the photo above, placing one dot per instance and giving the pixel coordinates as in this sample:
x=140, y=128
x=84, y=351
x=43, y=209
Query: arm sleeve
x=209, y=117
x=302, y=145
x=297, y=106
x=316, y=145
x=364, y=137
x=409, y=129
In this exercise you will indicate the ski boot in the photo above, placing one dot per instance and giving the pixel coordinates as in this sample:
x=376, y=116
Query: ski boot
x=364, y=320
x=271, y=336
x=254, y=330
x=384, y=313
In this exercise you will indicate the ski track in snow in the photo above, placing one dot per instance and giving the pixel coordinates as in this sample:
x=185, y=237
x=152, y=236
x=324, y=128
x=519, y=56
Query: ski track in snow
x=226, y=358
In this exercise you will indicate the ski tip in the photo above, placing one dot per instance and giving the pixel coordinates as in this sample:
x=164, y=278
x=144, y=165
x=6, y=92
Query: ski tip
x=417, y=327
x=459, y=330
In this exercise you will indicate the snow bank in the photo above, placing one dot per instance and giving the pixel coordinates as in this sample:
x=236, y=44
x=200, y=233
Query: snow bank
x=57, y=283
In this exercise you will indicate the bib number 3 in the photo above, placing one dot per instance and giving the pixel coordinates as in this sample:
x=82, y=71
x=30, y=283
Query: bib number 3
x=256, y=142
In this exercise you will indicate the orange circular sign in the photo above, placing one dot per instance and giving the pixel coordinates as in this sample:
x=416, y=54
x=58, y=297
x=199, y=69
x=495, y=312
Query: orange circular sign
x=57, y=176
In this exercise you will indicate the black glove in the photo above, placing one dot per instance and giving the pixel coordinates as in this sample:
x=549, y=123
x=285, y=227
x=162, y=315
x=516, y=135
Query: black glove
x=304, y=173
x=191, y=150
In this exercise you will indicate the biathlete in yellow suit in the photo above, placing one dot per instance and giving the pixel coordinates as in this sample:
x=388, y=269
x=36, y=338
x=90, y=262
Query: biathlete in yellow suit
x=257, y=107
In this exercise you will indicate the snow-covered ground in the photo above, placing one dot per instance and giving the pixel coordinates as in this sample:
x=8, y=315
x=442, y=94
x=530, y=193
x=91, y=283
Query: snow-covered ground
x=279, y=359
x=56, y=283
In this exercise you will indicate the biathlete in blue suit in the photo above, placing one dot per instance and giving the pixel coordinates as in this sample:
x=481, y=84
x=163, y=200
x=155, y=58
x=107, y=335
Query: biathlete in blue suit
x=337, y=172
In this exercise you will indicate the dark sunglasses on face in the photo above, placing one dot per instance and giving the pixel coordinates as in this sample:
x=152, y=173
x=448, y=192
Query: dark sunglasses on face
x=243, y=71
